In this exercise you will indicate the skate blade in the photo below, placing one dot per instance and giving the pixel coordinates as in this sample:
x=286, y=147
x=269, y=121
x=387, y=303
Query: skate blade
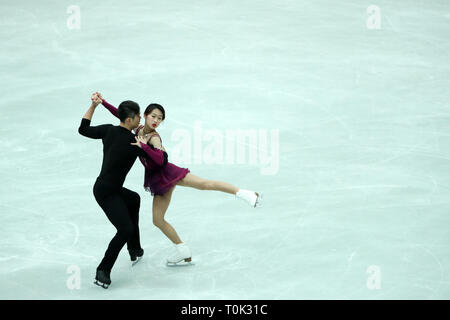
x=101, y=284
x=136, y=261
x=258, y=203
x=183, y=263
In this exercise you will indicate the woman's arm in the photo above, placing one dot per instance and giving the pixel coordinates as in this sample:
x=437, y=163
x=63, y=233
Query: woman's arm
x=111, y=108
x=107, y=105
x=156, y=142
x=158, y=156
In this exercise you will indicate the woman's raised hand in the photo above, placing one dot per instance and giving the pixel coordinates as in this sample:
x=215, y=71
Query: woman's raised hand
x=99, y=95
x=95, y=99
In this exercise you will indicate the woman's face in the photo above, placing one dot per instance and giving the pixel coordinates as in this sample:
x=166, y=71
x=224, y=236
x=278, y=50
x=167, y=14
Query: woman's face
x=154, y=118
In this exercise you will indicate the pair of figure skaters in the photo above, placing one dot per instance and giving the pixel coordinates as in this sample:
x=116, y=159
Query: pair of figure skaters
x=122, y=144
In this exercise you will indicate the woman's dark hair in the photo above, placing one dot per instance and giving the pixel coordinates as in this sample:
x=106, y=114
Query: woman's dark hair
x=128, y=109
x=153, y=106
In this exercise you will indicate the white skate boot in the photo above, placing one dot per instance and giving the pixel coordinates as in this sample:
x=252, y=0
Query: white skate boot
x=182, y=255
x=251, y=197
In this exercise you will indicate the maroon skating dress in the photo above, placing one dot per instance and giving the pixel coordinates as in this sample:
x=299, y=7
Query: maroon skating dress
x=158, y=178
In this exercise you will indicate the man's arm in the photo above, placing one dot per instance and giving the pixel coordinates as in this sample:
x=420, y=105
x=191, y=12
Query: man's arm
x=90, y=112
x=86, y=129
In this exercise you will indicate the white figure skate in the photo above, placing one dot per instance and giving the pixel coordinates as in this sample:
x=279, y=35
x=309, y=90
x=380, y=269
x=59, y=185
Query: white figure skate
x=251, y=197
x=182, y=256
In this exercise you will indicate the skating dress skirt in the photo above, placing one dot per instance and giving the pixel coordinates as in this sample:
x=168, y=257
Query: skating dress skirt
x=160, y=179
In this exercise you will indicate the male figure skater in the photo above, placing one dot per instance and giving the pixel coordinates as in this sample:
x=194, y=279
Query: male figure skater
x=121, y=206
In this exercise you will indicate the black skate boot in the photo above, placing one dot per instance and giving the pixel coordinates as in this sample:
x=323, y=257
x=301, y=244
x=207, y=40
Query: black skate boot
x=102, y=279
x=136, y=255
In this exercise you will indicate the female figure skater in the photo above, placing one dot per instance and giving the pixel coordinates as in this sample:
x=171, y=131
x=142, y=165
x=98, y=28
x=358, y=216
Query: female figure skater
x=162, y=177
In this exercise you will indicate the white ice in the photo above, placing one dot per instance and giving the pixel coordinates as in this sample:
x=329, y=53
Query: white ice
x=357, y=207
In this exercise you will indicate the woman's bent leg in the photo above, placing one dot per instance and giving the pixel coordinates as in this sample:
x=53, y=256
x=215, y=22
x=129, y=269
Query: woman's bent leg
x=160, y=205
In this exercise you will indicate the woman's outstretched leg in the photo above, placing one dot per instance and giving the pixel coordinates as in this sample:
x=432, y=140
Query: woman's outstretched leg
x=193, y=181
x=190, y=180
x=160, y=205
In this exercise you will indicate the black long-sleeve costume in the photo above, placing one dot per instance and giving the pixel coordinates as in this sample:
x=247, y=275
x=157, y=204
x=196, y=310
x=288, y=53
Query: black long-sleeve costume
x=120, y=205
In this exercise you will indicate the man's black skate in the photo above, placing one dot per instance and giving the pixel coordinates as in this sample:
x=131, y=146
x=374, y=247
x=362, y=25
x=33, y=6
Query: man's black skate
x=102, y=279
x=136, y=255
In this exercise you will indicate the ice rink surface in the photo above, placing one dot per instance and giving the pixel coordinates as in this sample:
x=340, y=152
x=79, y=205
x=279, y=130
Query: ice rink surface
x=355, y=122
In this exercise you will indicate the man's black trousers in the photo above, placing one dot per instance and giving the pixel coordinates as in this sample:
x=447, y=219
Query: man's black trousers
x=121, y=206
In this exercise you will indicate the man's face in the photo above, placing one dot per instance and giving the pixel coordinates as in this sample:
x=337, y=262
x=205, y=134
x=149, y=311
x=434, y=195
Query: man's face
x=135, y=121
